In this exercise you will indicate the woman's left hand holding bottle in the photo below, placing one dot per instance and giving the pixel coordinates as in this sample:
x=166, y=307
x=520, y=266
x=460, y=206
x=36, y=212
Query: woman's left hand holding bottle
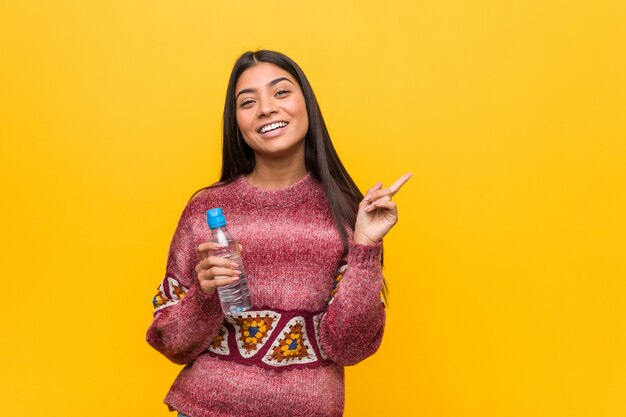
x=211, y=267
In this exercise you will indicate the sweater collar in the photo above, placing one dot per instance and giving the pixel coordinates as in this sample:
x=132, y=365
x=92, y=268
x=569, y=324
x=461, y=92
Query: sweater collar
x=282, y=197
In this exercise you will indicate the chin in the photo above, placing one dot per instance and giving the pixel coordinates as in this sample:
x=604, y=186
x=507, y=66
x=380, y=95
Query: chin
x=280, y=152
x=276, y=154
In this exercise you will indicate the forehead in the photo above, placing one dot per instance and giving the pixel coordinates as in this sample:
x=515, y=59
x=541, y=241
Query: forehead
x=260, y=75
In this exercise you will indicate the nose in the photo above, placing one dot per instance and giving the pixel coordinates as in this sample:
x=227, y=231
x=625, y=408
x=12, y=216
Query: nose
x=267, y=107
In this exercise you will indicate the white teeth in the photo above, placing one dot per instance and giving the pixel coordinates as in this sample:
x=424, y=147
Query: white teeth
x=272, y=126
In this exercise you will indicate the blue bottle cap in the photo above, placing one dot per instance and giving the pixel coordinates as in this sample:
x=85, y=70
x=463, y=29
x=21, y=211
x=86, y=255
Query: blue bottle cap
x=215, y=218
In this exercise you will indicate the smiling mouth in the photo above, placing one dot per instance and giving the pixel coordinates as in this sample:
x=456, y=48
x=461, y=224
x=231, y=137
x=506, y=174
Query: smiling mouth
x=272, y=126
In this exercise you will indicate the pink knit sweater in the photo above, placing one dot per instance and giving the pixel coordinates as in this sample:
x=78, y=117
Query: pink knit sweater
x=291, y=254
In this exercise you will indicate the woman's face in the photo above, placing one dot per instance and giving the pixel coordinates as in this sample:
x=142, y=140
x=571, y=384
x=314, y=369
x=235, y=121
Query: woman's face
x=271, y=112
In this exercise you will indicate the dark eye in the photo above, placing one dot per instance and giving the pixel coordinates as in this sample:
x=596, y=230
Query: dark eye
x=282, y=92
x=246, y=102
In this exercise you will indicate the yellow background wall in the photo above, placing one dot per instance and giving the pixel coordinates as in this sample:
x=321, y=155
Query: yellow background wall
x=506, y=270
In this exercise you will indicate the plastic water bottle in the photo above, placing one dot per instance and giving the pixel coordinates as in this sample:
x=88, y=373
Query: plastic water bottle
x=234, y=297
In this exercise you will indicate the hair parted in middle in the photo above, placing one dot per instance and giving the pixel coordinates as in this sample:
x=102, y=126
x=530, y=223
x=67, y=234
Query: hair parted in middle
x=321, y=159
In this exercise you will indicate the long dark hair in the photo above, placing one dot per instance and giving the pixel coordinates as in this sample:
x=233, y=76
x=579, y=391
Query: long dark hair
x=320, y=156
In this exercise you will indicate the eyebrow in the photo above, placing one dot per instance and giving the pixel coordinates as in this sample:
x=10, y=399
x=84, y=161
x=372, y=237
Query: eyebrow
x=271, y=83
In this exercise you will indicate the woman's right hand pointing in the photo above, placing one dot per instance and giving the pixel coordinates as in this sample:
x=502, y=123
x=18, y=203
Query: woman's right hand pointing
x=377, y=212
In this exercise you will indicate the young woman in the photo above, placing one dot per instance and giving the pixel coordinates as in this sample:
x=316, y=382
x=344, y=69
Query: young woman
x=312, y=253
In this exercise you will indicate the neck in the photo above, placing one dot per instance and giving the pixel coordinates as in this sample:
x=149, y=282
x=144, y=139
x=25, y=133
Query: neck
x=273, y=174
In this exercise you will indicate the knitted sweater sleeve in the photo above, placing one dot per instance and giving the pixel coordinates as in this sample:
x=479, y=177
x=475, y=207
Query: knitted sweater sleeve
x=352, y=327
x=186, y=319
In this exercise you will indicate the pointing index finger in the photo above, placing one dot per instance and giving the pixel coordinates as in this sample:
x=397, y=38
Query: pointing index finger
x=395, y=187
